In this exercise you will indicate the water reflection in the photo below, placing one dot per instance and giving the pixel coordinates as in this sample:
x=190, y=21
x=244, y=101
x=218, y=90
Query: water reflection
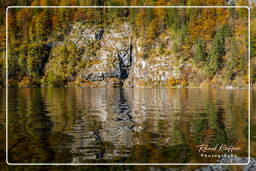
x=124, y=125
x=31, y=122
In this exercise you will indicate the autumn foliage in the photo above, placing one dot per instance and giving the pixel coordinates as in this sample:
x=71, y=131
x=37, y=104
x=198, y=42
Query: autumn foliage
x=207, y=36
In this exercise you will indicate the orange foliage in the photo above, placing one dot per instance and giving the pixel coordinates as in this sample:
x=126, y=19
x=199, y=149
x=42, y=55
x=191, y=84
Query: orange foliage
x=173, y=82
x=139, y=21
x=2, y=33
x=23, y=16
x=204, y=25
x=25, y=82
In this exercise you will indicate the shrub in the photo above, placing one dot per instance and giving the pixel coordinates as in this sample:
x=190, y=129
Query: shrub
x=173, y=82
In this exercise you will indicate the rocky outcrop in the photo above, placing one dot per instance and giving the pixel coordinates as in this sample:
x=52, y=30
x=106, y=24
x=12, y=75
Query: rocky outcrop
x=115, y=56
x=99, y=33
x=107, y=52
x=250, y=167
x=125, y=62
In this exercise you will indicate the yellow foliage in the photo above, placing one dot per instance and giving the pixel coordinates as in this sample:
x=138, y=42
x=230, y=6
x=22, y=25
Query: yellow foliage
x=25, y=82
x=246, y=79
x=205, y=24
x=184, y=83
x=139, y=21
x=114, y=80
x=203, y=28
x=173, y=82
x=82, y=83
x=160, y=12
x=152, y=30
x=93, y=62
x=2, y=61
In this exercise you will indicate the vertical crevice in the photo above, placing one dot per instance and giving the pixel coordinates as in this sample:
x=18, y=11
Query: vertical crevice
x=125, y=63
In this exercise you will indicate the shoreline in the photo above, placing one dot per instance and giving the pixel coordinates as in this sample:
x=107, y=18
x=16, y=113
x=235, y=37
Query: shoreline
x=153, y=87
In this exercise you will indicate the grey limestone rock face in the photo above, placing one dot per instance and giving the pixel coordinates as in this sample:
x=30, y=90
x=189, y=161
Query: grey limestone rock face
x=114, y=52
x=112, y=57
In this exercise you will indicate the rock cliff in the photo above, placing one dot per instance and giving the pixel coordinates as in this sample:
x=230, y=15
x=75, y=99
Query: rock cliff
x=108, y=52
x=115, y=55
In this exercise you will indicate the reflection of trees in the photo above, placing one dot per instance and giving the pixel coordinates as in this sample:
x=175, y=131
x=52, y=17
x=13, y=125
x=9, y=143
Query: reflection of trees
x=157, y=117
x=253, y=124
x=181, y=119
x=128, y=125
x=29, y=127
x=215, y=133
x=2, y=129
x=221, y=122
x=235, y=118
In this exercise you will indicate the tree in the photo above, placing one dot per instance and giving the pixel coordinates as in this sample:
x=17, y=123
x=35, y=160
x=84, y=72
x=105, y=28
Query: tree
x=37, y=56
x=253, y=38
x=60, y=67
x=200, y=54
x=232, y=60
x=204, y=25
x=217, y=52
x=39, y=29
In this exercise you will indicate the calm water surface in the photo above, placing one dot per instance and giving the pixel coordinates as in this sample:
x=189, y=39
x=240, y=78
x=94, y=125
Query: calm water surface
x=146, y=125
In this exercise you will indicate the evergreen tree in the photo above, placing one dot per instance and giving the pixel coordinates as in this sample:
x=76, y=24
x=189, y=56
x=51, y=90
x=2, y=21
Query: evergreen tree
x=217, y=52
x=200, y=54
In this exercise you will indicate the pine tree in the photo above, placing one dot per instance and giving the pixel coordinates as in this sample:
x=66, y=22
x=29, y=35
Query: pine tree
x=217, y=52
x=200, y=54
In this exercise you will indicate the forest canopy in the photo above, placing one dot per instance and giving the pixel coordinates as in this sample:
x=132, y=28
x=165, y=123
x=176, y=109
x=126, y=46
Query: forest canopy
x=214, y=39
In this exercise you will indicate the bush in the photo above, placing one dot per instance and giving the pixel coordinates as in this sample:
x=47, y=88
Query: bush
x=173, y=82
x=25, y=82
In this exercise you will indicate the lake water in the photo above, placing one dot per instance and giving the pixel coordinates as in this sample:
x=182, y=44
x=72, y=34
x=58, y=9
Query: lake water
x=127, y=125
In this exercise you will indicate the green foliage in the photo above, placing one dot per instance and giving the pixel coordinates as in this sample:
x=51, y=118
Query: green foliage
x=2, y=71
x=204, y=29
x=37, y=52
x=213, y=64
x=253, y=74
x=253, y=42
x=219, y=43
x=40, y=27
x=217, y=52
x=200, y=54
x=61, y=66
x=174, y=19
x=232, y=62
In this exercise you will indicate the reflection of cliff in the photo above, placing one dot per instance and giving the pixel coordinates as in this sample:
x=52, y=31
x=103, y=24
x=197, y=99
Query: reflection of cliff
x=118, y=127
x=155, y=113
x=145, y=125
x=101, y=125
